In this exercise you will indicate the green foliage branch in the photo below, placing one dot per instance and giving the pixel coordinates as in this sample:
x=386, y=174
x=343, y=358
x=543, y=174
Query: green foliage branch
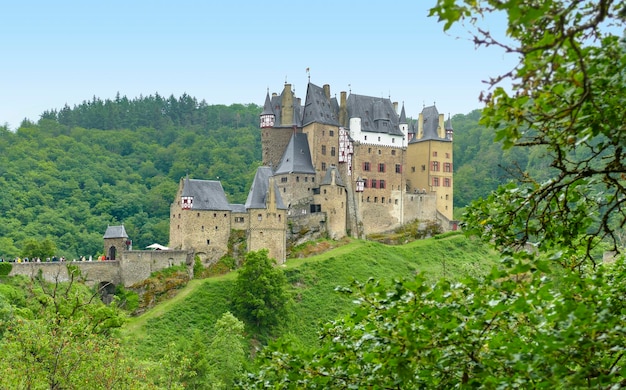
x=567, y=95
x=534, y=330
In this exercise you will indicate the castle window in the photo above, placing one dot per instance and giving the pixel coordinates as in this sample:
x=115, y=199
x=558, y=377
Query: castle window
x=260, y=217
x=447, y=167
x=279, y=217
x=216, y=228
x=324, y=150
x=393, y=152
x=214, y=215
x=178, y=216
x=381, y=183
x=365, y=137
x=374, y=183
x=376, y=199
x=413, y=169
x=284, y=189
x=331, y=133
x=208, y=242
x=423, y=168
x=435, y=154
x=202, y=228
x=446, y=182
x=225, y=215
x=381, y=167
x=447, y=155
x=435, y=166
x=366, y=166
x=365, y=183
x=323, y=166
x=396, y=201
x=369, y=150
x=283, y=180
x=378, y=139
x=382, y=199
x=393, y=141
x=368, y=199
x=435, y=182
x=324, y=191
x=178, y=227
x=306, y=179
x=323, y=132
x=332, y=151
x=379, y=151
x=239, y=219
x=398, y=168
x=297, y=179
x=447, y=197
x=313, y=179
x=198, y=215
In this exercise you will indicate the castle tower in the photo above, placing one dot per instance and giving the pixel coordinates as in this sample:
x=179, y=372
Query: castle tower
x=429, y=160
x=281, y=117
x=267, y=216
x=404, y=126
x=200, y=219
x=115, y=240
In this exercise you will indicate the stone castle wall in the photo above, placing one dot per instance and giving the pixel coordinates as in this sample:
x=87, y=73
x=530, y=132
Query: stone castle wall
x=133, y=267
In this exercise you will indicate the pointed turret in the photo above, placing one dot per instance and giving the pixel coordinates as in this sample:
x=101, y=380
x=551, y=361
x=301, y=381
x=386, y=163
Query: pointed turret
x=448, y=127
x=186, y=198
x=267, y=116
x=404, y=126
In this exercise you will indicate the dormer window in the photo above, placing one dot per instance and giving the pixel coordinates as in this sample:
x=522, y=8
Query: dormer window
x=186, y=202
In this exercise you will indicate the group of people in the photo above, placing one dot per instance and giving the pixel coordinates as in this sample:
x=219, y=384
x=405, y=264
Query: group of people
x=48, y=259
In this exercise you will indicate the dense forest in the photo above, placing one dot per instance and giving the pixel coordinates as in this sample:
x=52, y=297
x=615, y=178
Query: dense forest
x=107, y=162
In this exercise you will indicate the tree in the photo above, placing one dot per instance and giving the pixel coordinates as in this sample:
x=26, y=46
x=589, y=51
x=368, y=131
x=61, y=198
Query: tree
x=226, y=351
x=259, y=295
x=63, y=339
x=568, y=95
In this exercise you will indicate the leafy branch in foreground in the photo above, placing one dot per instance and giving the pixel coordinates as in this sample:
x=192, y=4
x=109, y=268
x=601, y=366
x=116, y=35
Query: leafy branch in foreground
x=567, y=96
x=536, y=330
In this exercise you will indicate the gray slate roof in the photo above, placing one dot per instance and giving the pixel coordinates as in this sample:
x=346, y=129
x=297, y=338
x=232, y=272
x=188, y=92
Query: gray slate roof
x=327, y=180
x=207, y=194
x=238, y=208
x=297, y=156
x=257, y=197
x=318, y=108
x=115, y=232
x=374, y=113
x=431, y=122
x=403, y=120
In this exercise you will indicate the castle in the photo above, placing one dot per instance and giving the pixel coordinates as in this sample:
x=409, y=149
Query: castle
x=351, y=167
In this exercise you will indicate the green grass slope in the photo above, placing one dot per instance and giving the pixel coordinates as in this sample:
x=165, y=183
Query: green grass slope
x=312, y=283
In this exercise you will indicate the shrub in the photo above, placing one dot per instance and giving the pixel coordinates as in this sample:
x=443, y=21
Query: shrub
x=5, y=268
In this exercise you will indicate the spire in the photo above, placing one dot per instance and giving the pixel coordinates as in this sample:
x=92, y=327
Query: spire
x=267, y=116
x=403, y=116
x=267, y=107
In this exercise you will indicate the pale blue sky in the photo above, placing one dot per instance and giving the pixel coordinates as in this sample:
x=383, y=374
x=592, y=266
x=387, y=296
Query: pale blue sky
x=67, y=51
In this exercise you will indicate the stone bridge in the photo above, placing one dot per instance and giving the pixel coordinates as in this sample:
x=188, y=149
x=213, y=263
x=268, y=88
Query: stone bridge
x=132, y=267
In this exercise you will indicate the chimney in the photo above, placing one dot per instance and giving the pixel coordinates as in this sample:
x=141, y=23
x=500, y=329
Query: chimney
x=286, y=108
x=343, y=110
x=395, y=107
x=327, y=91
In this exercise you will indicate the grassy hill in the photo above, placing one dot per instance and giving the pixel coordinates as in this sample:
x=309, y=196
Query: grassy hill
x=312, y=286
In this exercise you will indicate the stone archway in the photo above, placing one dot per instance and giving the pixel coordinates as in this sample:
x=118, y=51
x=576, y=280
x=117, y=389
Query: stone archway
x=107, y=292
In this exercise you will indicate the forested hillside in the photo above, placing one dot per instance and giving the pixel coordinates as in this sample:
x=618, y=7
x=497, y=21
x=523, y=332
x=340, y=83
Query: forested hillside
x=107, y=162
x=75, y=171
